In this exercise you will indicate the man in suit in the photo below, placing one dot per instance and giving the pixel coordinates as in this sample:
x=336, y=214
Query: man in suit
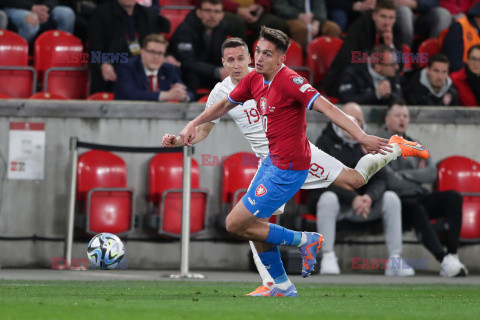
x=148, y=77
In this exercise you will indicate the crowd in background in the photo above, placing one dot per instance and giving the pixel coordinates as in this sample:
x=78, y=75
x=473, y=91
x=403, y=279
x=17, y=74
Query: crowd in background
x=193, y=43
x=175, y=63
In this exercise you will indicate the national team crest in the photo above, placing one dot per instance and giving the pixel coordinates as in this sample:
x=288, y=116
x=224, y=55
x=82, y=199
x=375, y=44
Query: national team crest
x=447, y=99
x=261, y=190
x=263, y=105
x=298, y=80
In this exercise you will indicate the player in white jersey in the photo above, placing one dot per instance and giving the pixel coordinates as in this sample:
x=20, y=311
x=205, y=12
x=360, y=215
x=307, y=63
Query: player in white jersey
x=324, y=168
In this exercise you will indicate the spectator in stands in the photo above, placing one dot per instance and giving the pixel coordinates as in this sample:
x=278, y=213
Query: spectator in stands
x=83, y=11
x=377, y=27
x=463, y=34
x=147, y=77
x=196, y=44
x=467, y=80
x=406, y=178
x=431, y=86
x=3, y=20
x=253, y=14
x=343, y=12
x=457, y=8
x=303, y=26
x=118, y=27
x=369, y=203
x=35, y=16
x=421, y=17
x=373, y=81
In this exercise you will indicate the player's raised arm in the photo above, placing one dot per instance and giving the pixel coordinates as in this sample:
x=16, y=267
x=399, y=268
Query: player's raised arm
x=218, y=109
x=370, y=143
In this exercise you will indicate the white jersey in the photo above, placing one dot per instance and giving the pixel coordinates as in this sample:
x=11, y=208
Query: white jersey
x=246, y=116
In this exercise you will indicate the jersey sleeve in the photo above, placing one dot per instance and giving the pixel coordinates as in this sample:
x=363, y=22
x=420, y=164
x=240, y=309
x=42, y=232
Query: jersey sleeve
x=242, y=91
x=303, y=91
x=215, y=95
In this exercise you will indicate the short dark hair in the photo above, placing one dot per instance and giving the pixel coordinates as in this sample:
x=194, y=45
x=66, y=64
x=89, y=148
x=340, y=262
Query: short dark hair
x=385, y=4
x=154, y=37
x=378, y=52
x=477, y=46
x=233, y=43
x=277, y=37
x=439, y=57
x=395, y=102
x=200, y=2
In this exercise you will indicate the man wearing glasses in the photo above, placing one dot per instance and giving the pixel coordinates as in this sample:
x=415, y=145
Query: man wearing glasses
x=372, y=82
x=467, y=79
x=148, y=77
x=196, y=44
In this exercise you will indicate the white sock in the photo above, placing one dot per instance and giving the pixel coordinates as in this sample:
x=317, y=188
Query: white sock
x=303, y=240
x=266, y=278
x=284, y=285
x=369, y=164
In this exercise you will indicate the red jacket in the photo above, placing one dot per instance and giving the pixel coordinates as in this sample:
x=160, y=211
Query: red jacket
x=457, y=6
x=465, y=93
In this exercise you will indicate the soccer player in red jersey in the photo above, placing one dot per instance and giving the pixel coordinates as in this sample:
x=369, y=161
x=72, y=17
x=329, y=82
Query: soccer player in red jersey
x=282, y=98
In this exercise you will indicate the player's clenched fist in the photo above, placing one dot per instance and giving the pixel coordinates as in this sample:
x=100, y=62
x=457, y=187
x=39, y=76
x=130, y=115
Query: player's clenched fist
x=188, y=134
x=169, y=140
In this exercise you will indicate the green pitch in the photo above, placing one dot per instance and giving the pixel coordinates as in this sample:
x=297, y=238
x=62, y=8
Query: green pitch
x=138, y=300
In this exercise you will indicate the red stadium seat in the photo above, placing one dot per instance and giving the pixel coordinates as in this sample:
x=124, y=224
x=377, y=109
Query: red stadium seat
x=294, y=60
x=320, y=54
x=102, y=191
x=17, y=79
x=183, y=3
x=176, y=17
x=59, y=61
x=105, y=96
x=203, y=99
x=237, y=173
x=4, y=96
x=47, y=96
x=165, y=194
x=430, y=48
x=463, y=175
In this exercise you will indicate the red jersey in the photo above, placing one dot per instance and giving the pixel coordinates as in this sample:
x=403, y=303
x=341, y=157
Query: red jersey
x=282, y=103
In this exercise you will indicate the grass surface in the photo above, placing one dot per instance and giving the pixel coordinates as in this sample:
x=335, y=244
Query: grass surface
x=116, y=300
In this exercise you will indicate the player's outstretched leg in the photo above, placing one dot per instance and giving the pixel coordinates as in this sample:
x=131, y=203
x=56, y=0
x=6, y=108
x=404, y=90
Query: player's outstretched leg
x=370, y=164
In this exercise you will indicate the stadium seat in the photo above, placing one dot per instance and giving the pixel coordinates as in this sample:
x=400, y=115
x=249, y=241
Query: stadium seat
x=47, y=96
x=238, y=171
x=294, y=60
x=463, y=175
x=4, y=96
x=165, y=195
x=203, y=99
x=175, y=16
x=59, y=61
x=102, y=193
x=17, y=79
x=105, y=96
x=429, y=47
x=320, y=54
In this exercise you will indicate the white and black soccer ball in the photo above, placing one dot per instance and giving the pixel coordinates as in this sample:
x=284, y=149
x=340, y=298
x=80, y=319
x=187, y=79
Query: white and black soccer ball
x=105, y=251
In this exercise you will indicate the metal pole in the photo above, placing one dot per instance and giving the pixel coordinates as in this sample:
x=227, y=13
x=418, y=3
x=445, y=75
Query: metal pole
x=187, y=186
x=186, y=193
x=71, y=203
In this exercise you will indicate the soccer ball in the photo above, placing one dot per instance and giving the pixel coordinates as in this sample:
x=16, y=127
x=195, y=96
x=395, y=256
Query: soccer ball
x=105, y=251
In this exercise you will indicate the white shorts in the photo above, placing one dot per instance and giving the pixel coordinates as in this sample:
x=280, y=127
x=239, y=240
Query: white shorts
x=324, y=169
